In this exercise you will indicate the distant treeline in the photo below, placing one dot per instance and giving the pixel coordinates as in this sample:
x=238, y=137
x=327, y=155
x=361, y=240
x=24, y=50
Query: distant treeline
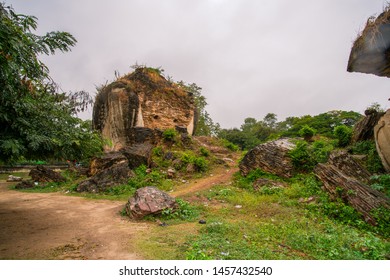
x=253, y=132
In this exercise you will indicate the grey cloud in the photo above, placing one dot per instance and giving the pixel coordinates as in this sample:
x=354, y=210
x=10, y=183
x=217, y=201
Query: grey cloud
x=250, y=57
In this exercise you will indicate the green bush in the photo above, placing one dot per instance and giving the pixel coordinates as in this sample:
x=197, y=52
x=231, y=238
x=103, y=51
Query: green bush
x=301, y=157
x=307, y=132
x=343, y=134
x=382, y=217
x=201, y=164
x=204, y=152
x=373, y=162
x=185, y=211
x=158, y=151
x=381, y=183
x=169, y=134
x=229, y=145
x=321, y=150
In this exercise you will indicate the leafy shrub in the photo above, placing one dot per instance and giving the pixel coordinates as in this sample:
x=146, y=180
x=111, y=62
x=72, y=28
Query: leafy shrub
x=246, y=182
x=158, y=151
x=321, y=150
x=373, y=162
x=204, y=152
x=229, y=145
x=382, y=217
x=307, y=132
x=169, y=134
x=301, y=157
x=381, y=183
x=185, y=211
x=201, y=164
x=343, y=134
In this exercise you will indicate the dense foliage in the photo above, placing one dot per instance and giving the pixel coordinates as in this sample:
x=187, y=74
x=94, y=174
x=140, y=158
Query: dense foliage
x=36, y=121
x=253, y=132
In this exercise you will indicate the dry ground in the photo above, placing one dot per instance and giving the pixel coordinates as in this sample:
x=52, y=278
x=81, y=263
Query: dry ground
x=58, y=226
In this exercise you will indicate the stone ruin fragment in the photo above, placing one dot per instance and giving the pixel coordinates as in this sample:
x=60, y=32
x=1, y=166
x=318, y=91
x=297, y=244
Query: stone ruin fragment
x=137, y=107
x=370, y=54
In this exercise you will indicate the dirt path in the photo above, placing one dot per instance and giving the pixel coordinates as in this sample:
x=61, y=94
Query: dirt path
x=56, y=226
x=221, y=176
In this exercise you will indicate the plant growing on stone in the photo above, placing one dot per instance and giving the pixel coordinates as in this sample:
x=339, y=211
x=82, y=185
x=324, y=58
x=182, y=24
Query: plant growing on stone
x=301, y=157
x=169, y=135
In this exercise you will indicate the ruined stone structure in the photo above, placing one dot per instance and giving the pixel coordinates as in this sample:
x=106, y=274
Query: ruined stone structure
x=382, y=139
x=137, y=107
x=370, y=54
x=371, y=50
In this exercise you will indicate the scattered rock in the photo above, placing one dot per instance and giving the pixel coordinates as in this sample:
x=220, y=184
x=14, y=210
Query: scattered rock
x=178, y=164
x=382, y=138
x=25, y=185
x=238, y=206
x=171, y=173
x=271, y=157
x=190, y=168
x=149, y=201
x=12, y=178
x=262, y=182
x=307, y=200
x=43, y=175
x=202, y=222
x=168, y=156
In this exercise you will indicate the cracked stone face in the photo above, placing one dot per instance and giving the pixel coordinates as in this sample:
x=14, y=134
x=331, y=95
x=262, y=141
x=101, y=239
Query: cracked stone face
x=142, y=99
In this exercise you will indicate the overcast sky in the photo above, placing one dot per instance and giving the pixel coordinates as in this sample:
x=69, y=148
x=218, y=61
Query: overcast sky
x=251, y=57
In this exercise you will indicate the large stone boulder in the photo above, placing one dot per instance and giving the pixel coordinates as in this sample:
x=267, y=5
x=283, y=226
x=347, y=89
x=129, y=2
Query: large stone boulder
x=107, y=160
x=25, y=184
x=115, y=168
x=364, y=129
x=45, y=175
x=149, y=201
x=139, y=154
x=382, y=139
x=142, y=99
x=370, y=51
x=271, y=157
x=355, y=193
x=349, y=166
x=114, y=175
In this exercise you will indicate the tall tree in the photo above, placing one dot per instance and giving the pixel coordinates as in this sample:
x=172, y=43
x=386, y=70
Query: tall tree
x=36, y=121
x=205, y=125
